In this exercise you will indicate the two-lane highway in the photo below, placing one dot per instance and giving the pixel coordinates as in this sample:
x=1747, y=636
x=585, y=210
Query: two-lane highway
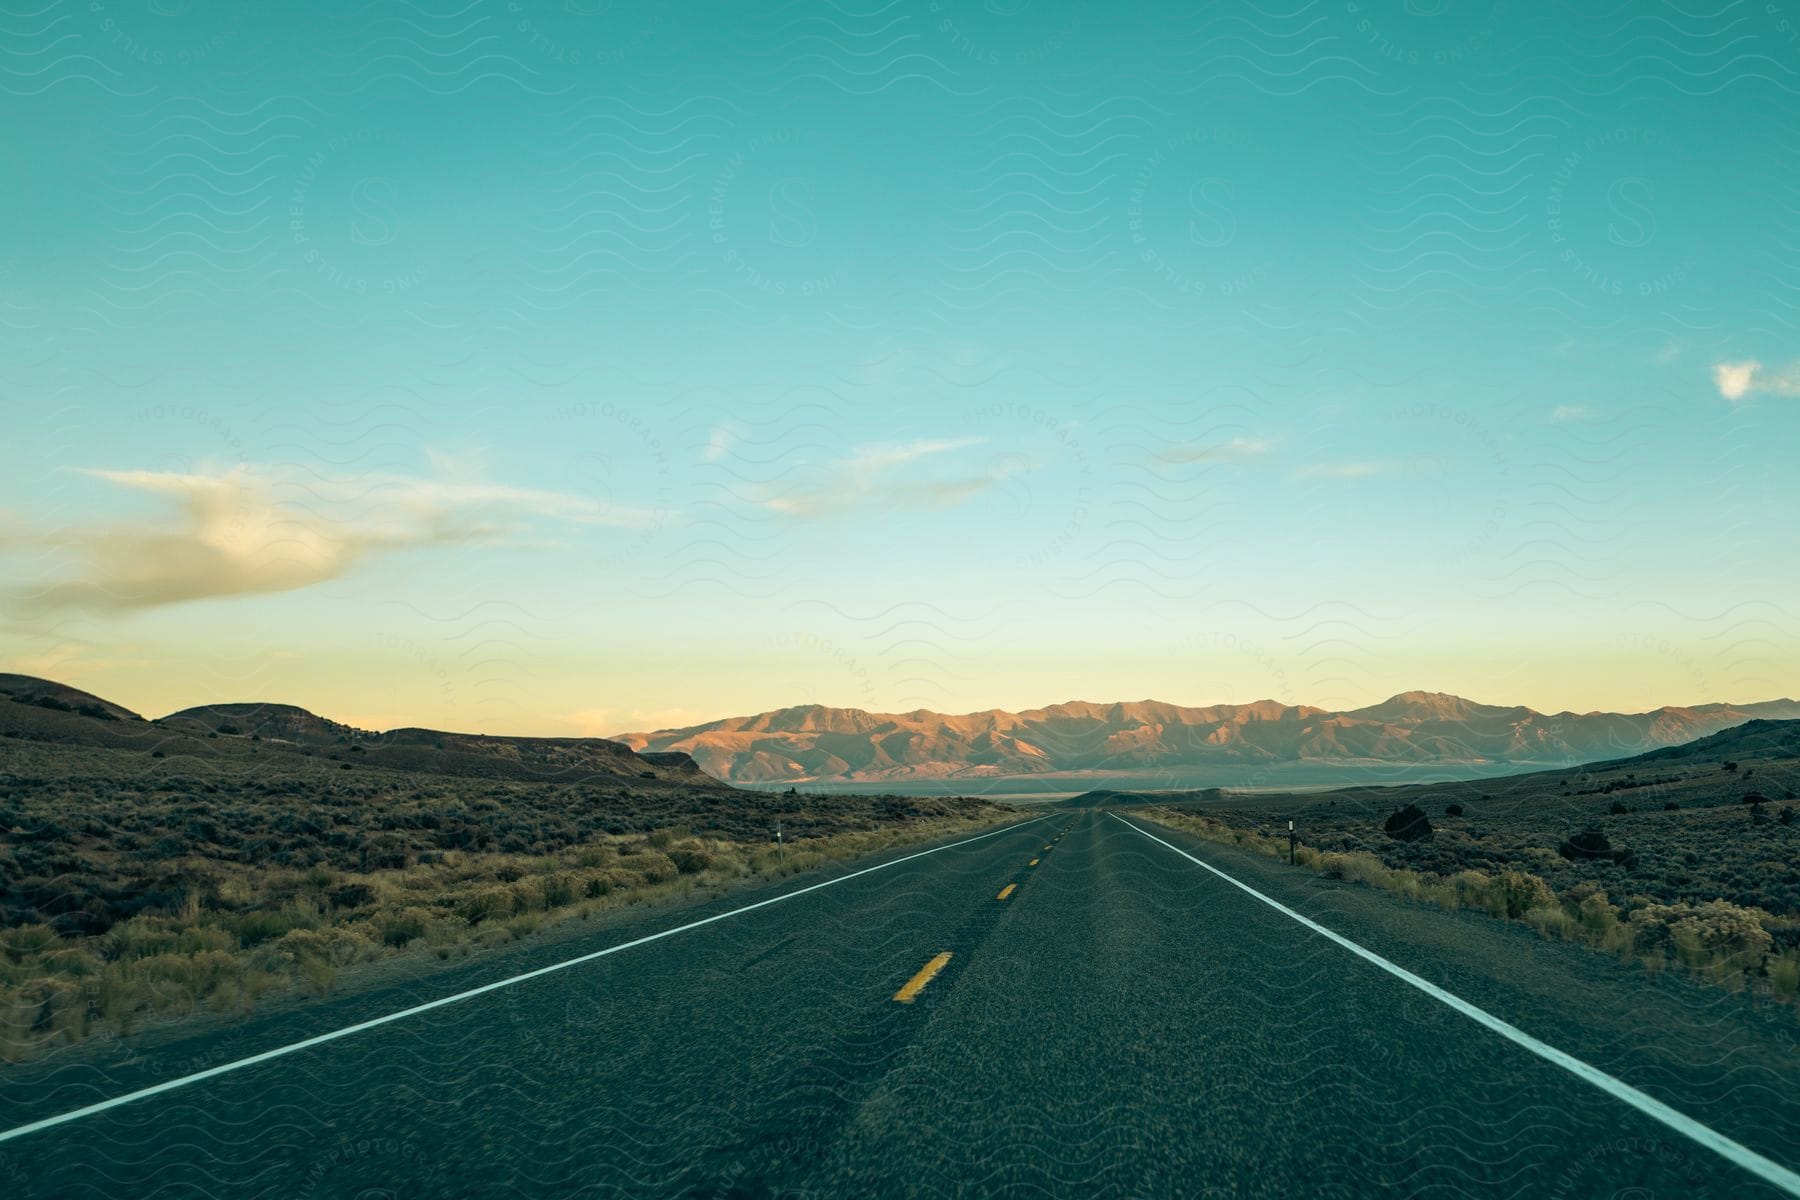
x=1072, y=1006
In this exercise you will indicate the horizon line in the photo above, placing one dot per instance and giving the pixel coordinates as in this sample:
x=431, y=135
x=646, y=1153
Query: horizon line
x=936, y=712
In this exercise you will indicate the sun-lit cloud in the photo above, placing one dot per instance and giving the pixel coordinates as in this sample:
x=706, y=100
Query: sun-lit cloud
x=1733, y=379
x=1236, y=450
x=1736, y=380
x=253, y=531
x=882, y=475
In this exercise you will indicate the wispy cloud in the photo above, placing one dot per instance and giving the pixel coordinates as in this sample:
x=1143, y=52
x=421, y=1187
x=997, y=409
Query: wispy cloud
x=892, y=454
x=1571, y=412
x=1344, y=470
x=719, y=442
x=1737, y=380
x=249, y=531
x=1235, y=450
x=879, y=475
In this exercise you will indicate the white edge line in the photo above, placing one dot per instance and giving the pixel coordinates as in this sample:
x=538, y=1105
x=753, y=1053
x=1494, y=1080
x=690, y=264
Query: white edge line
x=1766, y=1169
x=266, y=1055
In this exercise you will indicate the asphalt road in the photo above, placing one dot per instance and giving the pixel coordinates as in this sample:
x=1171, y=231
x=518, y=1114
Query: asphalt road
x=1123, y=1023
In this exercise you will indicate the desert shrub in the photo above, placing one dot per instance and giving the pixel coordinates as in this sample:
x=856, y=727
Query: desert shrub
x=527, y=896
x=1477, y=889
x=24, y=942
x=558, y=889
x=484, y=905
x=1754, y=798
x=404, y=927
x=1597, y=913
x=690, y=860
x=1522, y=892
x=266, y=924
x=1453, y=810
x=655, y=867
x=1618, y=808
x=1588, y=844
x=1552, y=922
x=1409, y=824
x=616, y=879
x=1671, y=806
x=1716, y=936
x=1787, y=814
x=352, y=895
x=1784, y=974
x=1509, y=894
x=319, y=973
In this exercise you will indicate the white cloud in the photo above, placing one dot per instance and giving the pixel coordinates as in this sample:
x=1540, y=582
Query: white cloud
x=881, y=475
x=891, y=454
x=1571, y=412
x=1736, y=380
x=252, y=531
x=1235, y=450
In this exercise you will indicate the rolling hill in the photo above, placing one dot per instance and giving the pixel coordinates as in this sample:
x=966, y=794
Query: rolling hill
x=817, y=743
x=40, y=710
x=1758, y=739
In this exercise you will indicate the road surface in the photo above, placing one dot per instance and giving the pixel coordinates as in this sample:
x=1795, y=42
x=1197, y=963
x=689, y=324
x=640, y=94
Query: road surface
x=1069, y=1007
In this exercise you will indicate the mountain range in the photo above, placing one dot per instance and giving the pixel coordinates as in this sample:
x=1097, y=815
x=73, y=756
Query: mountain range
x=1145, y=740
x=814, y=743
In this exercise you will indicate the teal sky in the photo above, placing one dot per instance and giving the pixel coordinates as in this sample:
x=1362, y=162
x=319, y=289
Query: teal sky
x=599, y=365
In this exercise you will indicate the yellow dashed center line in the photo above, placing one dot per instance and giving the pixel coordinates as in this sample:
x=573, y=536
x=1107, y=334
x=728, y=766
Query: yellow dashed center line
x=917, y=983
x=1032, y=863
x=1006, y=891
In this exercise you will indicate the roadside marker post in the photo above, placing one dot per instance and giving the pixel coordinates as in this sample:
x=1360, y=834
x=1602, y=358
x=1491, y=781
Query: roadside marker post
x=1290, y=841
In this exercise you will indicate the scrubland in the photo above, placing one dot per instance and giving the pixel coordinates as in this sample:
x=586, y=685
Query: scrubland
x=1691, y=866
x=133, y=891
